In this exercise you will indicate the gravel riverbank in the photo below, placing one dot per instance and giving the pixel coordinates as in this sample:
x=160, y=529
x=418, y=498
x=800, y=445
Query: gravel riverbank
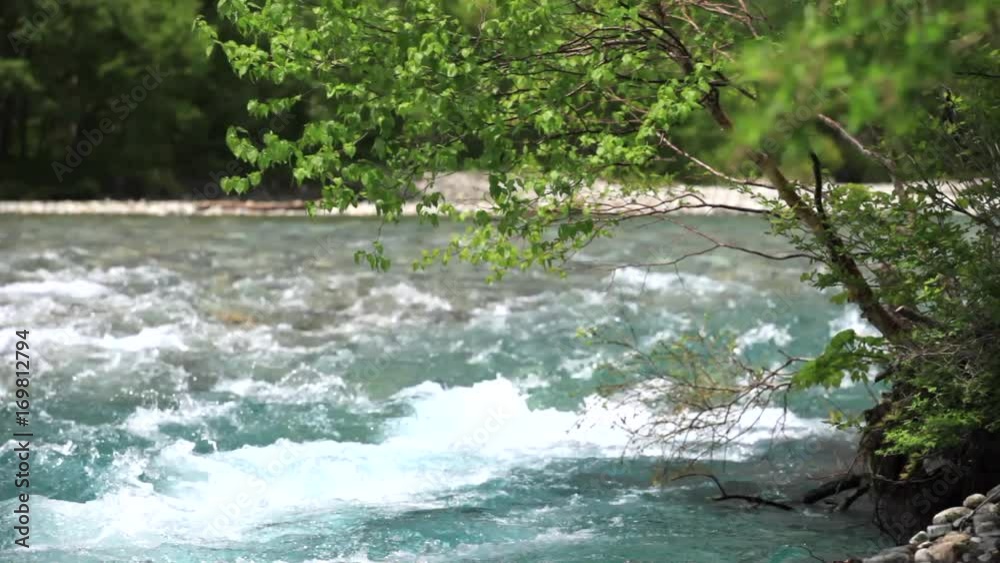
x=466, y=190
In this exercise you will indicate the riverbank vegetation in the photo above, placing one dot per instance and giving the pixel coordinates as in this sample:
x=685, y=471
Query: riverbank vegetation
x=553, y=98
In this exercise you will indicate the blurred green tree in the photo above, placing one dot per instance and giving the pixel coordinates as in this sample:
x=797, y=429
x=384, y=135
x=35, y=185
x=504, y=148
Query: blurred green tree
x=135, y=66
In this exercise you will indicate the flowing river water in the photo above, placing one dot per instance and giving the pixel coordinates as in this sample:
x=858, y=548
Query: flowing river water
x=238, y=389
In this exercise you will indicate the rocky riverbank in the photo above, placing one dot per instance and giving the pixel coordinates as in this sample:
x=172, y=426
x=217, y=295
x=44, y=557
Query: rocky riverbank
x=467, y=191
x=961, y=534
x=470, y=197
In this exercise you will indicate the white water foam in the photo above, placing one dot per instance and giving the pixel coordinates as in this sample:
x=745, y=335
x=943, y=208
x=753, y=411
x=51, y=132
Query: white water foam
x=652, y=433
x=164, y=337
x=303, y=385
x=637, y=280
x=763, y=333
x=455, y=438
x=77, y=289
x=146, y=421
x=851, y=319
x=149, y=338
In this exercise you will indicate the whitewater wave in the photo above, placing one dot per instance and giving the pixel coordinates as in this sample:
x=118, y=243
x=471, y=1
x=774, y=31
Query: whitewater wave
x=164, y=337
x=651, y=433
x=303, y=385
x=77, y=289
x=763, y=333
x=851, y=319
x=146, y=421
x=637, y=280
x=454, y=438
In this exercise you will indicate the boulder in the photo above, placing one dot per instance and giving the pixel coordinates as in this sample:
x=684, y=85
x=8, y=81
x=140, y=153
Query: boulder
x=973, y=501
x=902, y=554
x=950, y=548
x=986, y=520
x=949, y=515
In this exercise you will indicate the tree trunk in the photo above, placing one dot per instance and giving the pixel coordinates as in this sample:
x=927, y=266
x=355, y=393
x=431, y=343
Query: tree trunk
x=858, y=289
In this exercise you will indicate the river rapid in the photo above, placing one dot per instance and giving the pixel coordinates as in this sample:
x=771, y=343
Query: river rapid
x=238, y=389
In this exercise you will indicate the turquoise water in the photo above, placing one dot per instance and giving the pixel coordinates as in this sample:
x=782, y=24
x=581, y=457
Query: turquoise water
x=236, y=389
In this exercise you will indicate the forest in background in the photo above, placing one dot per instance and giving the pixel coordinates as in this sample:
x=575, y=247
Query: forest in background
x=112, y=99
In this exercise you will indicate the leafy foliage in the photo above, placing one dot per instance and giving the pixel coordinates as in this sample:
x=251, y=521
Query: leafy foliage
x=846, y=354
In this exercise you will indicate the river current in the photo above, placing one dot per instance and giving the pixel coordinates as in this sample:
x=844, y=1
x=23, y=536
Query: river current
x=239, y=390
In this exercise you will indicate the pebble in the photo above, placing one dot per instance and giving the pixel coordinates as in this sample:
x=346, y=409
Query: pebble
x=936, y=531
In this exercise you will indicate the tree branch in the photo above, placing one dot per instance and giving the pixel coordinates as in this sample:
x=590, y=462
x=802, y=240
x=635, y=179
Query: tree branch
x=831, y=488
x=726, y=496
x=852, y=498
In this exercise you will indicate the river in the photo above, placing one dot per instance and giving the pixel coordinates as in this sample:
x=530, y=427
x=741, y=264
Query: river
x=238, y=389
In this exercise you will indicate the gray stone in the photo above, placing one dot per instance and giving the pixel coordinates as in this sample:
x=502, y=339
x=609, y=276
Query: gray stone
x=973, y=501
x=988, y=545
x=925, y=545
x=988, y=529
x=919, y=538
x=949, y=515
x=982, y=516
x=892, y=555
x=936, y=531
x=923, y=556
